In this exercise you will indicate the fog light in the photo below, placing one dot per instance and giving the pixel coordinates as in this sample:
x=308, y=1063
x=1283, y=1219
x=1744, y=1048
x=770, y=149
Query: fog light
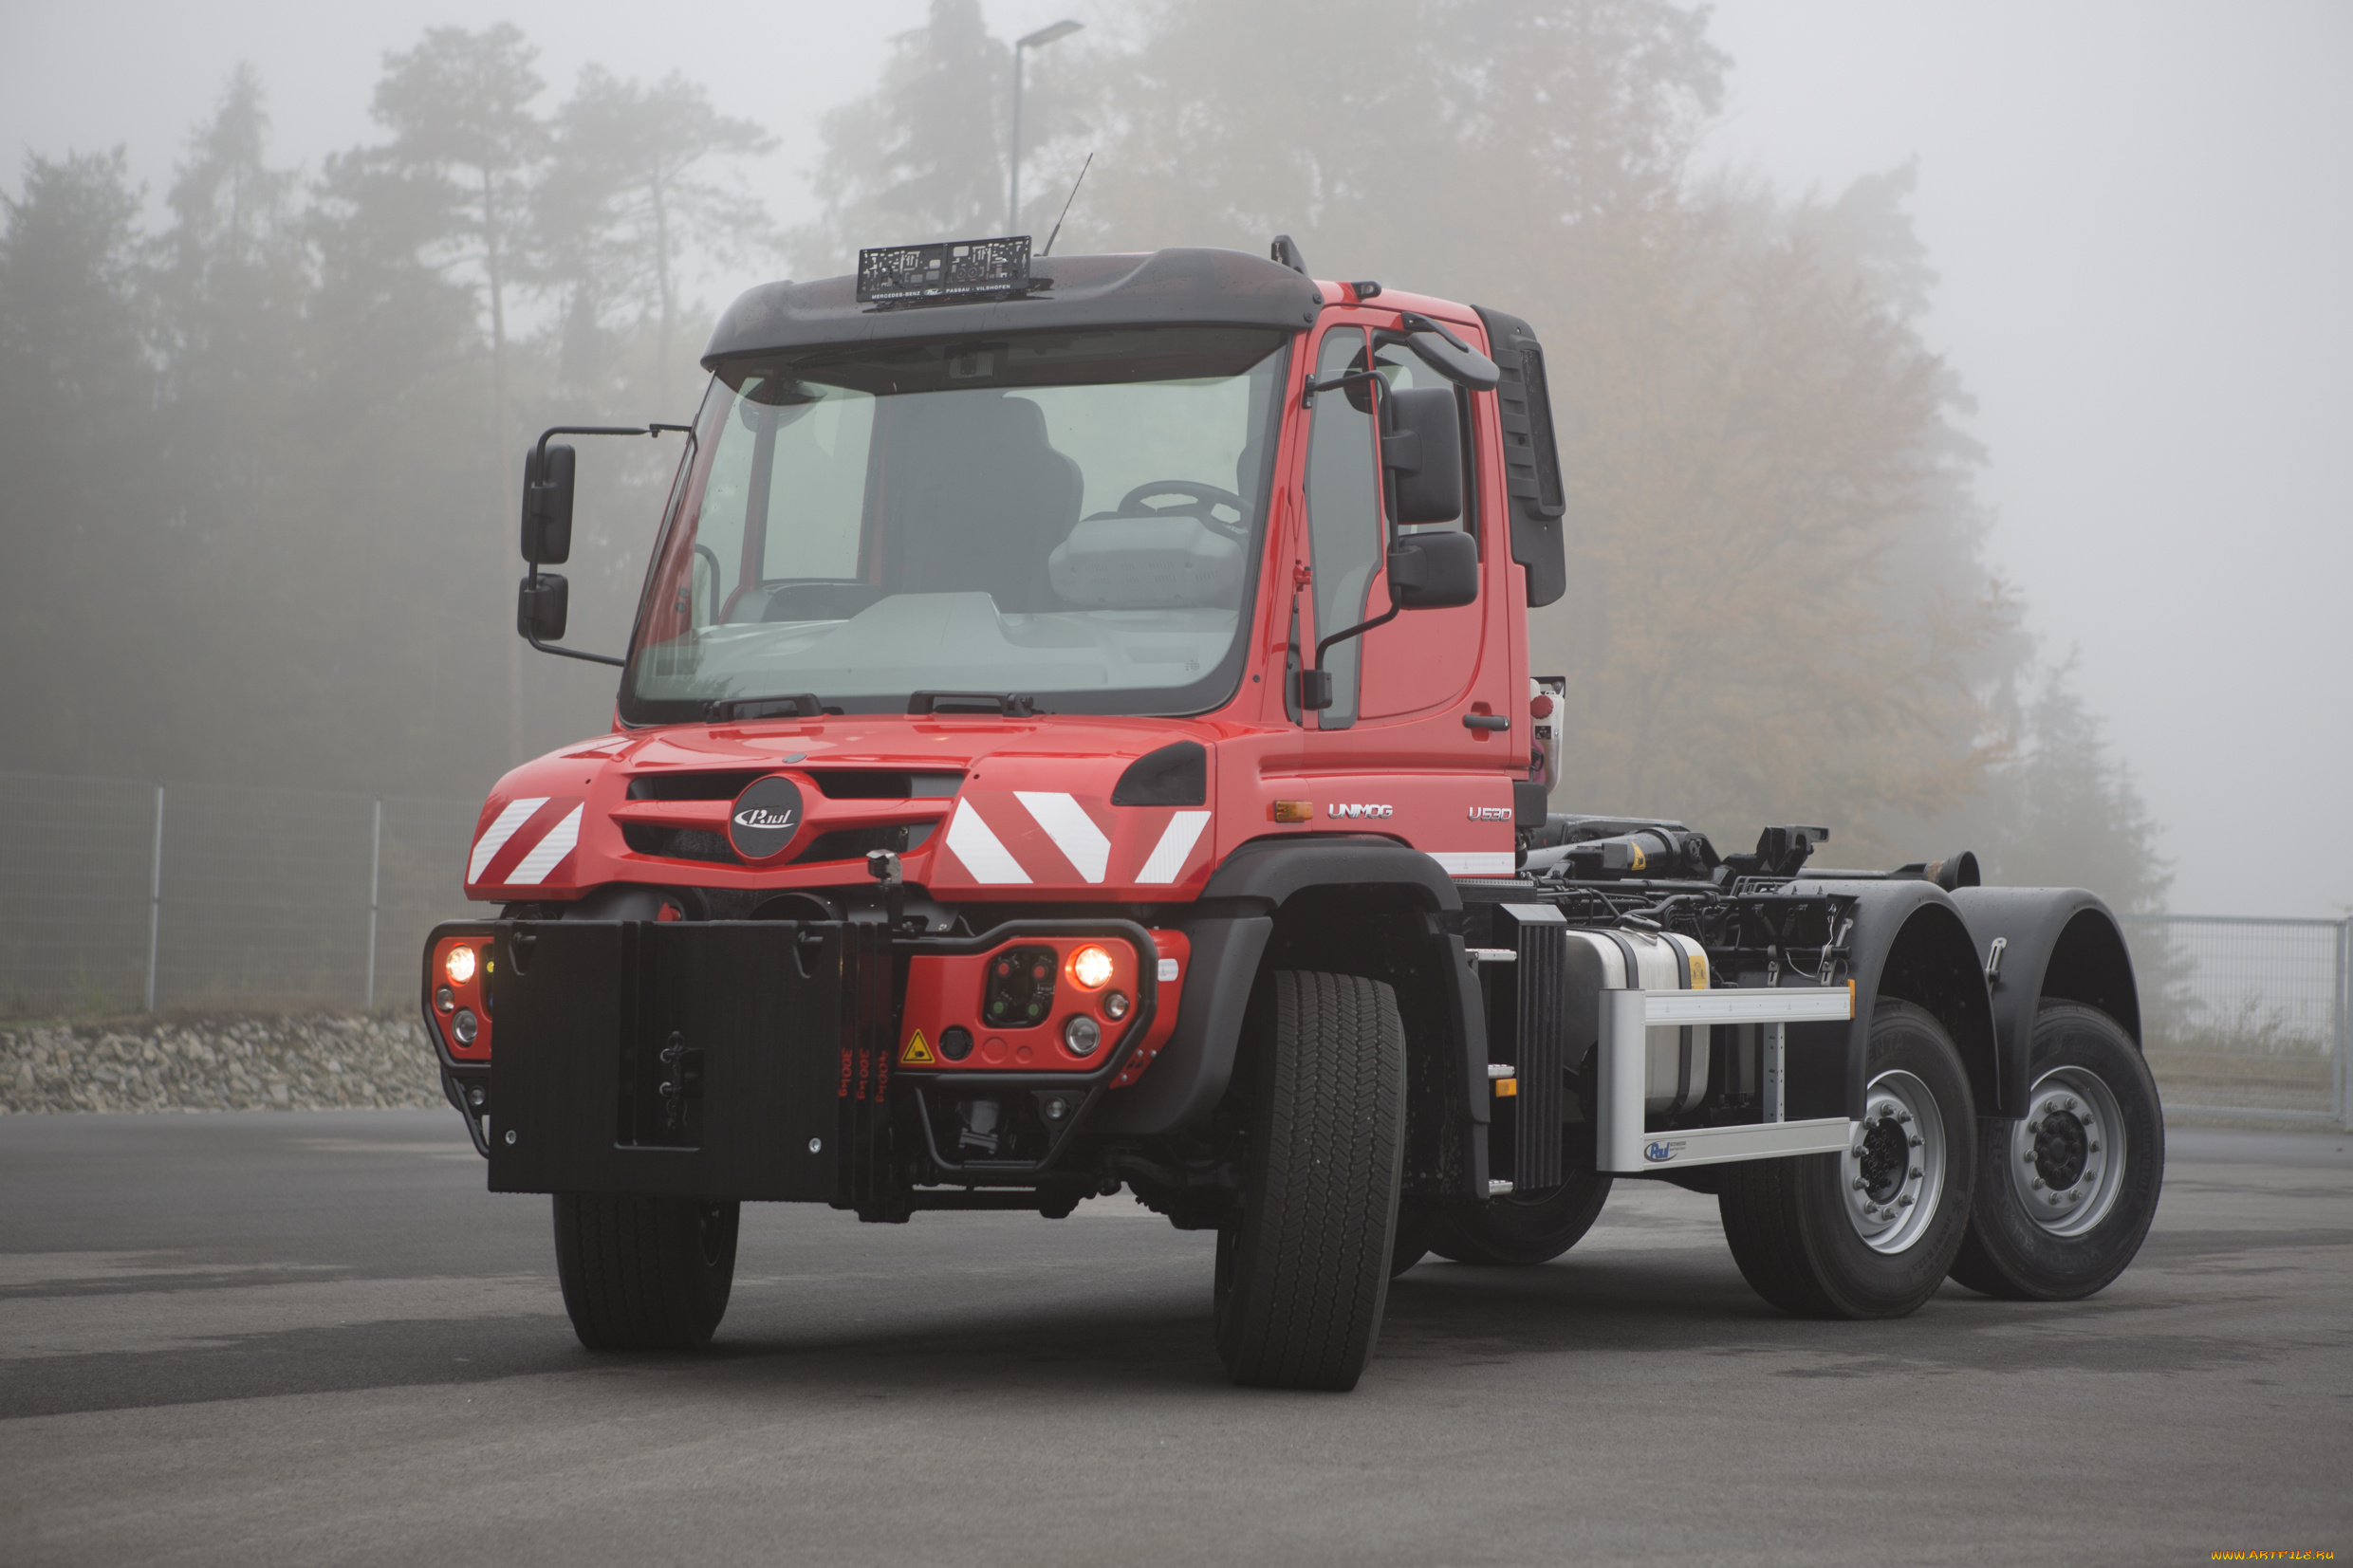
x=465, y=1026
x=460, y=965
x=1115, y=1006
x=1082, y=1034
x=1090, y=967
x=445, y=999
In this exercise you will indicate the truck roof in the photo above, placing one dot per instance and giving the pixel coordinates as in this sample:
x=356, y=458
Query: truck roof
x=1161, y=287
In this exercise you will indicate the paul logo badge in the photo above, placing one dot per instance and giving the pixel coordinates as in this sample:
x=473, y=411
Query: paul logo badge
x=766, y=818
x=1658, y=1154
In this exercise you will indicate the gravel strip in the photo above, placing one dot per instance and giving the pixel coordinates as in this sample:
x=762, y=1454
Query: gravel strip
x=284, y=1061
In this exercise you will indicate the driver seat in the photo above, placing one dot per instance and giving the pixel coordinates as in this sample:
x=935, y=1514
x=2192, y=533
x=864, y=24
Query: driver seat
x=978, y=496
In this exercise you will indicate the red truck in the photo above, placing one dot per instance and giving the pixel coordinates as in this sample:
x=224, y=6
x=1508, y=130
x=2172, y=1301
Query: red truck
x=1077, y=735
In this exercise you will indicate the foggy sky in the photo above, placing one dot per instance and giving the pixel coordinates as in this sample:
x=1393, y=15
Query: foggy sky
x=2140, y=215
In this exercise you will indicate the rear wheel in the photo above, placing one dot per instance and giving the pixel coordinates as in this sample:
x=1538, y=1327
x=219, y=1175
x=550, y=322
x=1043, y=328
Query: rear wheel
x=1521, y=1231
x=1304, y=1274
x=1868, y=1232
x=644, y=1273
x=2068, y=1188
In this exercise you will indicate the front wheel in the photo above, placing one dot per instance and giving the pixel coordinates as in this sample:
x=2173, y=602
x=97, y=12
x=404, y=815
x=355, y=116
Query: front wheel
x=1303, y=1274
x=644, y=1273
x=1870, y=1231
x=2068, y=1188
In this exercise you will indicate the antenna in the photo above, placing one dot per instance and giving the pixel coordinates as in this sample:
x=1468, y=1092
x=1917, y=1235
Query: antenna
x=1066, y=206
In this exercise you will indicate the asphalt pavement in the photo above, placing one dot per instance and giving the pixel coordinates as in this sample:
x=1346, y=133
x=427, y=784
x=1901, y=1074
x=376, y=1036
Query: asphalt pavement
x=256, y=1338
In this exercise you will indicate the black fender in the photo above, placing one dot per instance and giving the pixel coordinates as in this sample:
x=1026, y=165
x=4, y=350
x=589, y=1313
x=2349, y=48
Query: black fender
x=2058, y=944
x=1911, y=944
x=1281, y=900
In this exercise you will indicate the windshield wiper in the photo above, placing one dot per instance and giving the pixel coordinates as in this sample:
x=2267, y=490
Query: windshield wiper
x=802, y=704
x=1012, y=704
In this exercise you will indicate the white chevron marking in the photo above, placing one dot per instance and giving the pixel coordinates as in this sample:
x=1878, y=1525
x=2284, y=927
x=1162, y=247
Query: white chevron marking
x=1073, y=831
x=1176, y=841
x=486, y=849
x=983, y=853
x=545, y=854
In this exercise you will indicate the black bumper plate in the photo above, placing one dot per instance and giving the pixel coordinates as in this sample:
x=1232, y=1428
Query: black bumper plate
x=688, y=1059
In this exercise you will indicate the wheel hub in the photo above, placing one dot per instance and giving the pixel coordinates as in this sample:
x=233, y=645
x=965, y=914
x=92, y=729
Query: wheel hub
x=2066, y=1154
x=1892, y=1172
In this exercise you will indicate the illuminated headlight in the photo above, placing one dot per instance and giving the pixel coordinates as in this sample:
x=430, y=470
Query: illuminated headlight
x=1090, y=967
x=1082, y=1034
x=465, y=1026
x=460, y=965
x=1115, y=1006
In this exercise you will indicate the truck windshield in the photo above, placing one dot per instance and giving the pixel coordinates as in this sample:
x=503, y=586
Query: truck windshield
x=1073, y=517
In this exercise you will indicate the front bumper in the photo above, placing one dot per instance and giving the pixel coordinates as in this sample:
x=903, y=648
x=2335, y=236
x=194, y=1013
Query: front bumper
x=750, y=1059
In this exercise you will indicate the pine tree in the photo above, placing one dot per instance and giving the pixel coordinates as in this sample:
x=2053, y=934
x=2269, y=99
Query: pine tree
x=922, y=157
x=626, y=198
x=459, y=109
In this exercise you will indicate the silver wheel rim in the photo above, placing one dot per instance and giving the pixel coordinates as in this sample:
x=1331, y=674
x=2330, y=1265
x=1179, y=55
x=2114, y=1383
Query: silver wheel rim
x=2066, y=1154
x=1892, y=1173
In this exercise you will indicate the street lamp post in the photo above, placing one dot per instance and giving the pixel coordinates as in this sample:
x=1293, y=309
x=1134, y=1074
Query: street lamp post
x=1036, y=40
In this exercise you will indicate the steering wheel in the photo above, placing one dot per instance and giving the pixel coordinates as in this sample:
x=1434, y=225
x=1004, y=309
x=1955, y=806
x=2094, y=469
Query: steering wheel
x=1204, y=498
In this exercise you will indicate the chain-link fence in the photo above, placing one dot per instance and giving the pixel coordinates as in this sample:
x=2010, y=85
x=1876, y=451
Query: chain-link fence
x=2245, y=1017
x=116, y=897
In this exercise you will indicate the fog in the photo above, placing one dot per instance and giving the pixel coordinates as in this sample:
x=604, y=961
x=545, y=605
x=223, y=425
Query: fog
x=2135, y=215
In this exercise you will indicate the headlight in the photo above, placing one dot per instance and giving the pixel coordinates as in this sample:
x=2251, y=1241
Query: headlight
x=1090, y=967
x=1082, y=1034
x=460, y=965
x=465, y=1026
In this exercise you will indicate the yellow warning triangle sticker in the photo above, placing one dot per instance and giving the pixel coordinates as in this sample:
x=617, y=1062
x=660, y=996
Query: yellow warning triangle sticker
x=917, y=1053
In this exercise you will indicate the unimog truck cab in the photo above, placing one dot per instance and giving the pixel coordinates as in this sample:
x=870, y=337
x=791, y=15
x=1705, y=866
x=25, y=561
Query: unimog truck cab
x=1078, y=736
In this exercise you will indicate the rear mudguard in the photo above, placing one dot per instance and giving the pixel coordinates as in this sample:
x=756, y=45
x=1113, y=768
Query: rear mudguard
x=2058, y=944
x=1910, y=944
x=1254, y=903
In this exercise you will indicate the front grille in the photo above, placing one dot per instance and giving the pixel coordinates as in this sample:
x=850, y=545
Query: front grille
x=843, y=843
x=835, y=783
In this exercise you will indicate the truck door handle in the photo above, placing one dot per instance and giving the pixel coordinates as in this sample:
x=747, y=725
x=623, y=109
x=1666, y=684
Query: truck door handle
x=1487, y=721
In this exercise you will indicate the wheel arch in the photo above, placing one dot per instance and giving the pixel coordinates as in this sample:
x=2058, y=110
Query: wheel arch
x=2058, y=944
x=1910, y=944
x=1350, y=904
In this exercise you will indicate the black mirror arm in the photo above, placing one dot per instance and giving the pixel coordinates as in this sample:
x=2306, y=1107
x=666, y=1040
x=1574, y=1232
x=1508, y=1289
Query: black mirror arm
x=1414, y=320
x=1360, y=628
x=576, y=652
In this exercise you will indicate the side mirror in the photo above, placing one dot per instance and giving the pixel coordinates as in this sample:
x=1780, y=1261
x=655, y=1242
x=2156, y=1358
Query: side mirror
x=548, y=507
x=1434, y=571
x=543, y=604
x=1421, y=447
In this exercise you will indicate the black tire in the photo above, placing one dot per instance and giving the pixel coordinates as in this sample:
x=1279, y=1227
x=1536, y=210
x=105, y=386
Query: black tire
x=644, y=1273
x=2074, y=1247
x=1797, y=1227
x=1516, y=1231
x=1303, y=1275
